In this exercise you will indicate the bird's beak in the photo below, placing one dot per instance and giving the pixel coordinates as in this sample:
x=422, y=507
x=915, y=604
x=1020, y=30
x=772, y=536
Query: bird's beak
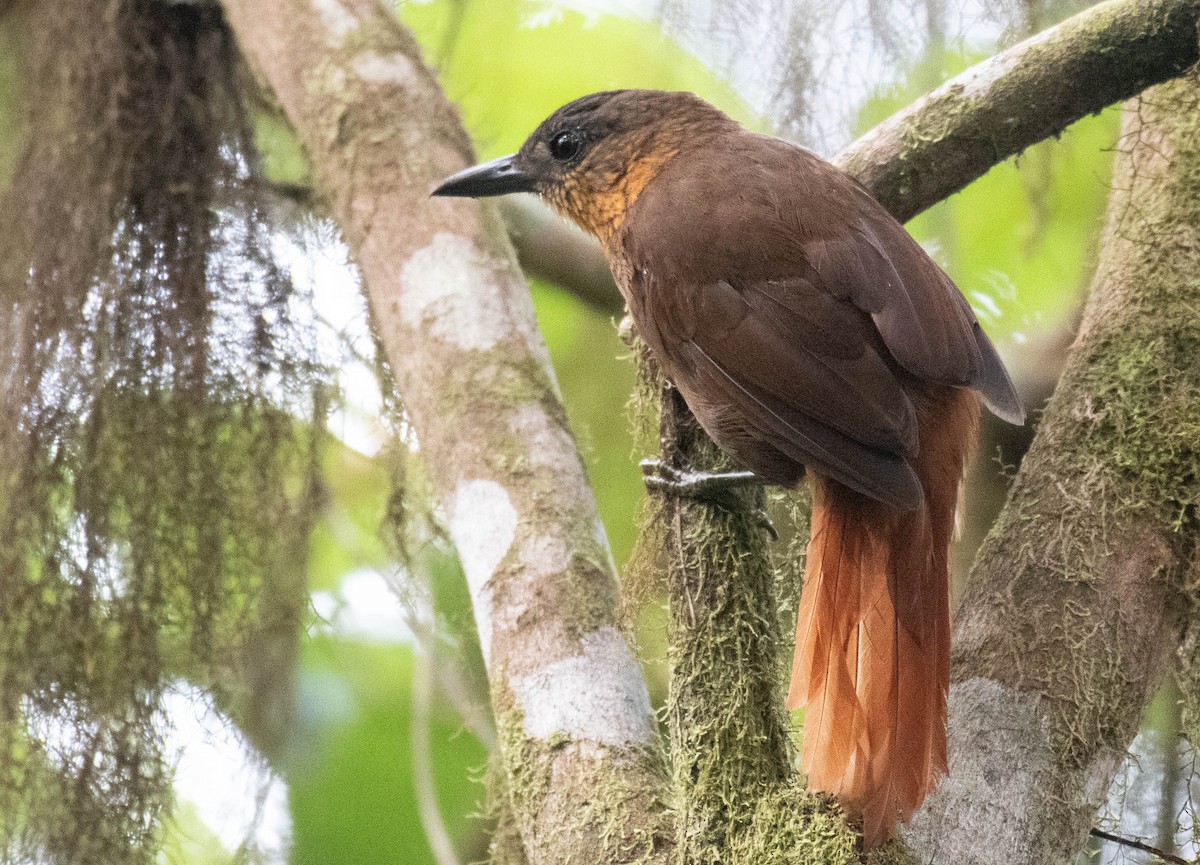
x=498, y=177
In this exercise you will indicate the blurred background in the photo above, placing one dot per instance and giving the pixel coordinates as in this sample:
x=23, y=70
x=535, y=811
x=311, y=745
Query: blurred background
x=386, y=730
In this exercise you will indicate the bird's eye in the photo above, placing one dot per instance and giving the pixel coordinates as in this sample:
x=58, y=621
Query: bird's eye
x=565, y=146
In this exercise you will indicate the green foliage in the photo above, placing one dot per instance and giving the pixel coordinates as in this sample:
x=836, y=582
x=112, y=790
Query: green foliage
x=188, y=840
x=508, y=63
x=10, y=125
x=348, y=535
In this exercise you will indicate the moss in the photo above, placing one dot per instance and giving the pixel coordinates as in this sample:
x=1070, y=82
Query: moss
x=504, y=840
x=526, y=763
x=612, y=801
x=156, y=490
x=1121, y=433
x=730, y=746
x=791, y=826
x=493, y=386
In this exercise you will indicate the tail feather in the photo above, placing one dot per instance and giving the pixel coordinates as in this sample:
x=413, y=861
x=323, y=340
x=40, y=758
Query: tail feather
x=872, y=659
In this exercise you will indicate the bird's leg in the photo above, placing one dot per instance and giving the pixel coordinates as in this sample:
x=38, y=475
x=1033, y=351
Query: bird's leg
x=713, y=487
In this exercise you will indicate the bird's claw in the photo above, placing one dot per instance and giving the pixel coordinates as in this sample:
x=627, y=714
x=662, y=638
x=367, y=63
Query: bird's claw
x=762, y=521
x=699, y=485
x=716, y=488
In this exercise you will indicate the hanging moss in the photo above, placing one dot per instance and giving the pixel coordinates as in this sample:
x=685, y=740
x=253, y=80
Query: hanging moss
x=158, y=424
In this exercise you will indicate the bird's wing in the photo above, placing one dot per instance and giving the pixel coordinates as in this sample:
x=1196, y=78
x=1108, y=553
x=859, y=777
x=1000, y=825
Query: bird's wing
x=922, y=317
x=809, y=350
x=800, y=366
x=794, y=309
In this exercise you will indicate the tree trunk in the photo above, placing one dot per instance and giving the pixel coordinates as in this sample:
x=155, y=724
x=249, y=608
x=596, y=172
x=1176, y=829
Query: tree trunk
x=1075, y=603
x=577, y=734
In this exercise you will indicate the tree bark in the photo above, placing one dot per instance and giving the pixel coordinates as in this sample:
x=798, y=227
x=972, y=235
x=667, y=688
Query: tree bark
x=1075, y=604
x=579, y=741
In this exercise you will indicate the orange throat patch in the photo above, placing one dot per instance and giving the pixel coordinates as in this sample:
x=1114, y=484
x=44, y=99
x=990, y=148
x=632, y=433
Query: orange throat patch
x=597, y=199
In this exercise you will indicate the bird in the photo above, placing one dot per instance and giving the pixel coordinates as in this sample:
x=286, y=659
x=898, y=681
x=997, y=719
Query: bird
x=811, y=336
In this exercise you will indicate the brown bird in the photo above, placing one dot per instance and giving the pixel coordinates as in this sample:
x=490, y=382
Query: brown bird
x=807, y=331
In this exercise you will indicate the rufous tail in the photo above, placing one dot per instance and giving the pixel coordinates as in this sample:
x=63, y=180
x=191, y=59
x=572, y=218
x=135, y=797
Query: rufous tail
x=872, y=660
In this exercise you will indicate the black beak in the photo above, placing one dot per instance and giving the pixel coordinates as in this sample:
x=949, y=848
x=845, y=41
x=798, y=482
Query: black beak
x=498, y=177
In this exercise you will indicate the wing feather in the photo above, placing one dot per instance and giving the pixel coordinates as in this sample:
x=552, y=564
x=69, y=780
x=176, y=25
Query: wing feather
x=734, y=410
x=810, y=352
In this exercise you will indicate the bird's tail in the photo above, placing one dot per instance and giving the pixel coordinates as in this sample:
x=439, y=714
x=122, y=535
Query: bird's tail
x=872, y=660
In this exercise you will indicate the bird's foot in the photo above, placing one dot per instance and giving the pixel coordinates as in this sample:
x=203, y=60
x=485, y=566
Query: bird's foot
x=716, y=488
x=663, y=478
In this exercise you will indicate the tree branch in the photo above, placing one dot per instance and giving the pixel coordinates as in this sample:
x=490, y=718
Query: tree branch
x=578, y=737
x=1024, y=95
x=1140, y=845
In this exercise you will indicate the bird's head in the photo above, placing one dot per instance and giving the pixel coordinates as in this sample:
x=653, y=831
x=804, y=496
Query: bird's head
x=591, y=158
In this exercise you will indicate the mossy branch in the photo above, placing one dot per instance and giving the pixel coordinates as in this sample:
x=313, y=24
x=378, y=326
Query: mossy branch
x=1024, y=95
x=729, y=733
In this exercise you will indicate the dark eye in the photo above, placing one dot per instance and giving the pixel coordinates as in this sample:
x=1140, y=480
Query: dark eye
x=565, y=146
